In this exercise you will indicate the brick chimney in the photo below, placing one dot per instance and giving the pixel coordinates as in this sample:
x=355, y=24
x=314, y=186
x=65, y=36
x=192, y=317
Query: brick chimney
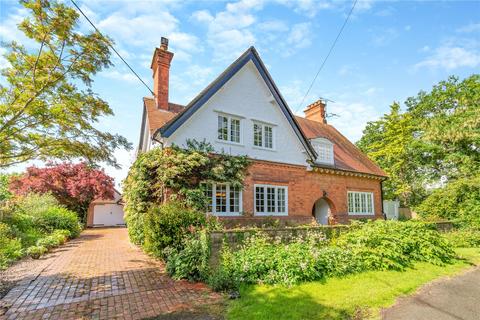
x=161, y=70
x=316, y=111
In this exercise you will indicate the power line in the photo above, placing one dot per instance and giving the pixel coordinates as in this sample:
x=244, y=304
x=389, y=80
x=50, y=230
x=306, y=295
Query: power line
x=111, y=46
x=329, y=52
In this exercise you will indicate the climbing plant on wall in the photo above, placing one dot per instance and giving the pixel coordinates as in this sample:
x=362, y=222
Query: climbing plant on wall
x=160, y=175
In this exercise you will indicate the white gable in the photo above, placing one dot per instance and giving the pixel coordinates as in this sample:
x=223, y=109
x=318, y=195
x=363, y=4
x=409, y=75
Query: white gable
x=247, y=98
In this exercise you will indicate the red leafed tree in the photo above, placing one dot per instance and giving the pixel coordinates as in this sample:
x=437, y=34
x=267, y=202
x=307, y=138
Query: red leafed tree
x=73, y=185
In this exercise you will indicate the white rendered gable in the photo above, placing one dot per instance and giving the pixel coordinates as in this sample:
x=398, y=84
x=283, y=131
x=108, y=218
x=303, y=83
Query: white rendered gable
x=247, y=98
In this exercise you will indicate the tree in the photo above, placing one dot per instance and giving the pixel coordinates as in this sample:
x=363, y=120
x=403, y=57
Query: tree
x=73, y=185
x=447, y=127
x=390, y=143
x=44, y=113
x=436, y=139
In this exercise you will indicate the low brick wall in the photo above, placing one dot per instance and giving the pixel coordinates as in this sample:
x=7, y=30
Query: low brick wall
x=234, y=238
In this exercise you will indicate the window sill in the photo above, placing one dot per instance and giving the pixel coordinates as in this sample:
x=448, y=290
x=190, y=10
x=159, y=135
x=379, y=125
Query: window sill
x=270, y=214
x=360, y=214
x=238, y=144
x=264, y=149
x=225, y=214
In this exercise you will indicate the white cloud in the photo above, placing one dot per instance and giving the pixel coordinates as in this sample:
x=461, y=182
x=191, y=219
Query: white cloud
x=352, y=118
x=202, y=16
x=120, y=76
x=472, y=27
x=300, y=35
x=383, y=37
x=228, y=30
x=451, y=57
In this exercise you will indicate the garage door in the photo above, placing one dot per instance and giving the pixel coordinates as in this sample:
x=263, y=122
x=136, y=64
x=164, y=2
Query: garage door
x=108, y=215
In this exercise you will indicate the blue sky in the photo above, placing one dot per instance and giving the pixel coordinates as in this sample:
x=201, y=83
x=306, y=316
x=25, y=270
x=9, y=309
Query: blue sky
x=389, y=51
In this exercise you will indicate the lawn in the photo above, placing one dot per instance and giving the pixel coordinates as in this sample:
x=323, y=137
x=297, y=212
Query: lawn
x=358, y=296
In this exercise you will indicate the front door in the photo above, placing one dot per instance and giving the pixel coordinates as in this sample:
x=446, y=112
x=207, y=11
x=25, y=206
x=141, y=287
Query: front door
x=322, y=211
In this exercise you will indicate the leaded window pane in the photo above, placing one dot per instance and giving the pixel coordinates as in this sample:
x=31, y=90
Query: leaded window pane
x=281, y=200
x=268, y=137
x=257, y=135
x=260, y=199
x=270, y=199
x=222, y=128
x=221, y=198
x=234, y=200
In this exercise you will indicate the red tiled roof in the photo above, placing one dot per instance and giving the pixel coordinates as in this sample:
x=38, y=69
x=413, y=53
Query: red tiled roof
x=346, y=155
x=157, y=118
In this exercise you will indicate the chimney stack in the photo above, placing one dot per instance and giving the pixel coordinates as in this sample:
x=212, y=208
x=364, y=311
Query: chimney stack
x=316, y=111
x=161, y=70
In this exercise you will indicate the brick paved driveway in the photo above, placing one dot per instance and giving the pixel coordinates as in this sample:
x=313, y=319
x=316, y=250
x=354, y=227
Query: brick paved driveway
x=100, y=275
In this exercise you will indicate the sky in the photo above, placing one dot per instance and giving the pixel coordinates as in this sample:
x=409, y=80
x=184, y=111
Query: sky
x=389, y=51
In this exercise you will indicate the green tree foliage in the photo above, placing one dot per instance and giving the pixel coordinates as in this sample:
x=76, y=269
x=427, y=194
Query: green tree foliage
x=43, y=111
x=5, y=194
x=458, y=200
x=447, y=126
x=389, y=142
x=438, y=137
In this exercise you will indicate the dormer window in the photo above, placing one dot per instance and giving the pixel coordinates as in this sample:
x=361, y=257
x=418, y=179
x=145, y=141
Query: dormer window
x=324, y=149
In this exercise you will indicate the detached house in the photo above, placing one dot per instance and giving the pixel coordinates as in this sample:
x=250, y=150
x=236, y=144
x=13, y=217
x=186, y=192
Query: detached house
x=302, y=169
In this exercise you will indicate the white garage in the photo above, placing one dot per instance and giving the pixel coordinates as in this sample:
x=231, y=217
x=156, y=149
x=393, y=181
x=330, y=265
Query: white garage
x=106, y=213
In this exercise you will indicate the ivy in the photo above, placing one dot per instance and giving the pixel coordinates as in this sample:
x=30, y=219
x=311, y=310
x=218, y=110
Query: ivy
x=160, y=175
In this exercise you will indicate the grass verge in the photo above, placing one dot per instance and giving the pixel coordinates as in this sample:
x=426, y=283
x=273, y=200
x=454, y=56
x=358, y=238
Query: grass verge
x=356, y=296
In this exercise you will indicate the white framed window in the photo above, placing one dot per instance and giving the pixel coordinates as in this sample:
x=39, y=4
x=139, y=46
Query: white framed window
x=360, y=203
x=271, y=200
x=229, y=128
x=263, y=135
x=224, y=200
x=324, y=149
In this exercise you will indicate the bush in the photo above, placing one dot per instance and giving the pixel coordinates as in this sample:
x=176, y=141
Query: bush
x=395, y=245
x=10, y=247
x=60, y=218
x=464, y=238
x=169, y=224
x=371, y=246
x=36, y=251
x=53, y=240
x=191, y=262
x=35, y=204
x=458, y=200
x=181, y=171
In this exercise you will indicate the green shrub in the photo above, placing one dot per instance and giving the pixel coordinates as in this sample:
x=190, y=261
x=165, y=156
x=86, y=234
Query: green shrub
x=48, y=242
x=10, y=247
x=464, y=238
x=371, y=246
x=181, y=171
x=191, y=262
x=458, y=200
x=35, y=204
x=59, y=218
x=36, y=251
x=395, y=245
x=169, y=224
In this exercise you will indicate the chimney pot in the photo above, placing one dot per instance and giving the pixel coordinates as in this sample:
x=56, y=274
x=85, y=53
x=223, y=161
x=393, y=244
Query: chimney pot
x=316, y=111
x=164, y=43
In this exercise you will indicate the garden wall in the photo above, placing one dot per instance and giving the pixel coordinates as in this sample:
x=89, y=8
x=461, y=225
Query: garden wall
x=234, y=238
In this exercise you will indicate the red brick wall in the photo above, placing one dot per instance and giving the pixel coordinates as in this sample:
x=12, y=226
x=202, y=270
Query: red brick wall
x=305, y=188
